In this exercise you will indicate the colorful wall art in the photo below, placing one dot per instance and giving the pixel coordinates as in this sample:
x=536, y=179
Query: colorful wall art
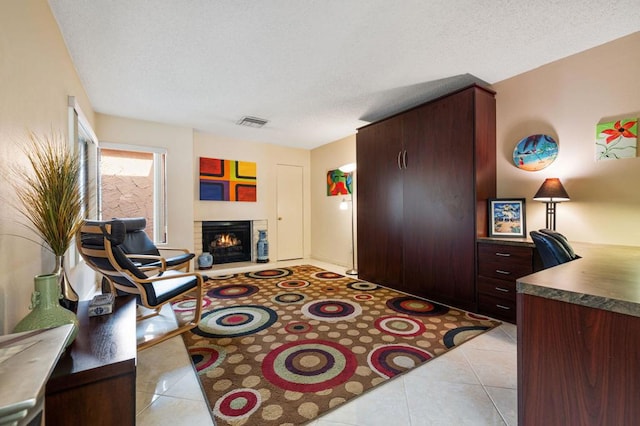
x=507, y=217
x=227, y=180
x=535, y=152
x=616, y=139
x=339, y=183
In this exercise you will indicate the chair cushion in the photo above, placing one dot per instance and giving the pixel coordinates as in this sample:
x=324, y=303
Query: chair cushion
x=160, y=291
x=551, y=251
x=136, y=241
x=116, y=236
x=133, y=224
x=562, y=240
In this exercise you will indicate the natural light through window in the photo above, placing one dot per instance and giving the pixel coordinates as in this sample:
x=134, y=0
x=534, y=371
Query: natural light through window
x=133, y=184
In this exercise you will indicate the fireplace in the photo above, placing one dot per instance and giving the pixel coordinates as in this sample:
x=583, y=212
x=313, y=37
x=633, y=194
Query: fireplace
x=227, y=241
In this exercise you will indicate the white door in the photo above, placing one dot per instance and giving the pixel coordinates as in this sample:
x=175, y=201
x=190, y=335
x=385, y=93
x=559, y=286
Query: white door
x=290, y=216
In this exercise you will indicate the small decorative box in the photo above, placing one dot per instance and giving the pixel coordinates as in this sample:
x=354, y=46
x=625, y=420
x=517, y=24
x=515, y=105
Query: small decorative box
x=101, y=304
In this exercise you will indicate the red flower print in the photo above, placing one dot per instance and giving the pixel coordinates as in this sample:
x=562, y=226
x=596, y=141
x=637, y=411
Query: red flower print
x=620, y=131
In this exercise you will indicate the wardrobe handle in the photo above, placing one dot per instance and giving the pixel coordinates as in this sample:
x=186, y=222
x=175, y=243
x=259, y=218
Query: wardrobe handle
x=399, y=164
x=404, y=158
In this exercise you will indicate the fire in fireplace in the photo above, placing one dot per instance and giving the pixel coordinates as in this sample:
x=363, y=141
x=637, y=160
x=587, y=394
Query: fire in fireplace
x=227, y=241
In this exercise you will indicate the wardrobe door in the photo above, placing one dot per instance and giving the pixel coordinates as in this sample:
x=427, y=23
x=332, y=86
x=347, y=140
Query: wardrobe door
x=439, y=201
x=379, y=189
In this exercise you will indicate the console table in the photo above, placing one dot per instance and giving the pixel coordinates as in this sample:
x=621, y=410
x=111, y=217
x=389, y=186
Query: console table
x=578, y=346
x=94, y=381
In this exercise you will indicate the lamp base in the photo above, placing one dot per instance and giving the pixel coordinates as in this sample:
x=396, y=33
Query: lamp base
x=351, y=272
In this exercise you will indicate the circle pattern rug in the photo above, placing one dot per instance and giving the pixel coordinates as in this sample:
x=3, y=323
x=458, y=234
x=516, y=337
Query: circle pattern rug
x=283, y=346
x=235, y=321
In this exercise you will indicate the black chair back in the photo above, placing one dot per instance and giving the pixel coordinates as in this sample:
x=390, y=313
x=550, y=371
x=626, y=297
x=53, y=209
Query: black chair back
x=99, y=245
x=562, y=240
x=136, y=241
x=551, y=251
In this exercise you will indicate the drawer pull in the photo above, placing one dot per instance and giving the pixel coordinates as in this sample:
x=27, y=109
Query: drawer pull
x=503, y=254
x=500, y=271
x=504, y=290
x=506, y=308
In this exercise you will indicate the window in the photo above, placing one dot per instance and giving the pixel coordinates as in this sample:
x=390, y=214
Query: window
x=133, y=184
x=83, y=140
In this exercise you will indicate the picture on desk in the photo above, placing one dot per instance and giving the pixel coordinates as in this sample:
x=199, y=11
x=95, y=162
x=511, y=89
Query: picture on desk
x=506, y=217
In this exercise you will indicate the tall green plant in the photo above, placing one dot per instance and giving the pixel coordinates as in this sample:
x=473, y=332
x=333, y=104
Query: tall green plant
x=49, y=193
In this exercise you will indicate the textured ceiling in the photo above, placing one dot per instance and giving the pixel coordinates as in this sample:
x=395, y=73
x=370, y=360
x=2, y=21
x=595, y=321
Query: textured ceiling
x=317, y=70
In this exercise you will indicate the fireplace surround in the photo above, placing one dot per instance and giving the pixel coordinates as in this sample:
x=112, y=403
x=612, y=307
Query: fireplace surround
x=227, y=241
x=256, y=226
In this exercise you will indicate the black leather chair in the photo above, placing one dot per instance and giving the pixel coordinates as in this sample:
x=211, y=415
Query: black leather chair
x=100, y=245
x=562, y=240
x=553, y=247
x=137, y=242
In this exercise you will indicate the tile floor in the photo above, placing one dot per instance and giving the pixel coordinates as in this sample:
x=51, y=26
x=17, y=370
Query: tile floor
x=474, y=384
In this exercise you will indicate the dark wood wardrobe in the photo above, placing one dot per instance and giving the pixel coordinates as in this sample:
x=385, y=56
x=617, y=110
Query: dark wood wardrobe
x=424, y=177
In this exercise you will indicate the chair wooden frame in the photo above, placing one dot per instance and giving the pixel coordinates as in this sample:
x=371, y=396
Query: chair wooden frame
x=139, y=286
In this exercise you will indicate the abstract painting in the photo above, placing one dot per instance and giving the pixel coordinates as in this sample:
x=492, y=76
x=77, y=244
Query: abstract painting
x=227, y=180
x=339, y=183
x=616, y=139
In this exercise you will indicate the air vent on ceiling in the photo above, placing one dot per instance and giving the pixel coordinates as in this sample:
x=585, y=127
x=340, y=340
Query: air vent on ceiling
x=252, y=121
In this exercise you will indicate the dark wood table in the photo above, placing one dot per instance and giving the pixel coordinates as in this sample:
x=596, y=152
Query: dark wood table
x=94, y=381
x=578, y=346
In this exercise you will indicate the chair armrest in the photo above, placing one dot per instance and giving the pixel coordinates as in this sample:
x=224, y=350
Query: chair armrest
x=174, y=249
x=160, y=259
x=160, y=277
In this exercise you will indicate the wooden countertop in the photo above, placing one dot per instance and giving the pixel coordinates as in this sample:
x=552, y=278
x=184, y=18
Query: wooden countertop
x=605, y=277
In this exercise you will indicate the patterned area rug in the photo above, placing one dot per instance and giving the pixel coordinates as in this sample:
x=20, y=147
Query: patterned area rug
x=283, y=346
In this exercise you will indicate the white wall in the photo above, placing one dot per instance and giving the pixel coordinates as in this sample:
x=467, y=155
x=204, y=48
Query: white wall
x=566, y=99
x=267, y=157
x=36, y=77
x=178, y=141
x=330, y=226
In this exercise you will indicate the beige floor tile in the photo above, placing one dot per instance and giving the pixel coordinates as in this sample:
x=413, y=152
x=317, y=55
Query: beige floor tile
x=144, y=400
x=445, y=403
x=163, y=365
x=495, y=339
x=493, y=368
x=506, y=400
x=452, y=366
x=188, y=387
x=510, y=329
x=175, y=412
x=386, y=405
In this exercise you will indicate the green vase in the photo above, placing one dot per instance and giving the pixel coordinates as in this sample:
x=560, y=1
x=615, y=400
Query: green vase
x=46, y=311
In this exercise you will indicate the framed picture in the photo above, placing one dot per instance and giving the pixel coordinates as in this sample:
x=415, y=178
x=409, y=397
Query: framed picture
x=506, y=217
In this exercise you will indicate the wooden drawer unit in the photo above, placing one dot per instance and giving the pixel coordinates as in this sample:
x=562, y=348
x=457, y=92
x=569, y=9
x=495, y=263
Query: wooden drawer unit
x=499, y=265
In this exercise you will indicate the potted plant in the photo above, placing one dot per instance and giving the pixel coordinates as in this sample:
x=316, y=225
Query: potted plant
x=48, y=191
